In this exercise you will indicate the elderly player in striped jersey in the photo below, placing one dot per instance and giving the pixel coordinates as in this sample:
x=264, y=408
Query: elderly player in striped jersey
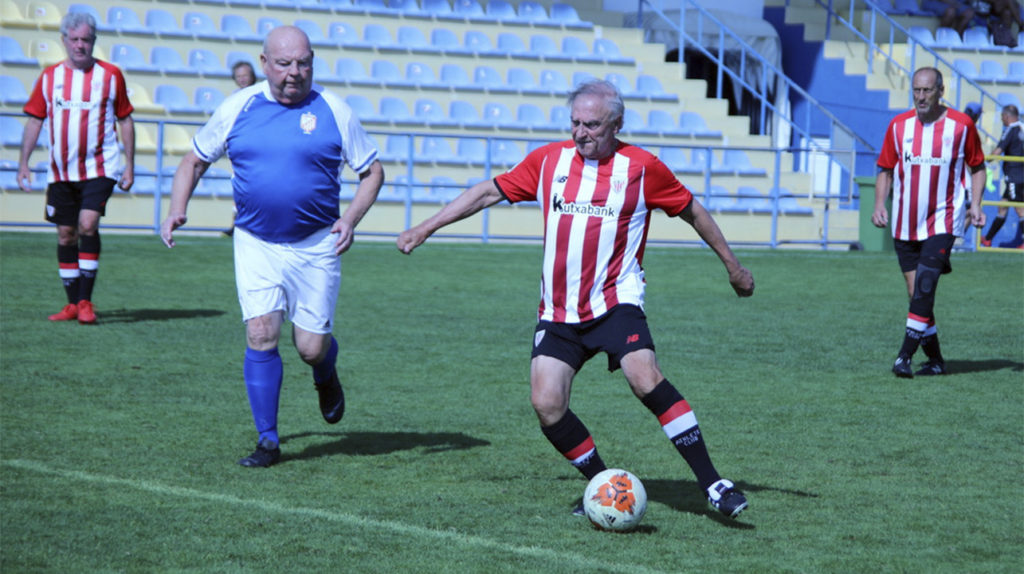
x=597, y=194
x=80, y=99
x=923, y=159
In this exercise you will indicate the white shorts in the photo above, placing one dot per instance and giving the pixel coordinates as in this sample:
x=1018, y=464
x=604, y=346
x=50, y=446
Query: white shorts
x=300, y=278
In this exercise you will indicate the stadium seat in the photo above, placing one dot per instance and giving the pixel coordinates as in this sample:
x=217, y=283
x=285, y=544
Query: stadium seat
x=991, y=71
x=1006, y=98
x=396, y=148
x=394, y=110
x=472, y=150
x=978, y=38
x=947, y=38
x=736, y=161
x=487, y=77
x=511, y=44
x=206, y=63
x=11, y=53
x=564, y=14
x=497, y=114
x=649, y=86
x=216, y=182
x=445, y=40
x=173, y=98
x=455, y=76
x=343, y=34
x=1015, y=72
x=130, y=59
x=386, y=72
x=12, y=91
x=413, y=39
x=505, y=153
x=238, y=29
x=544, y=46
x=574, y=47
x=437, y=8
x=677, y=160
x=372, y=7
x=533, y=12
x=501, y=10
x=444, y=188
x=752, y=200
x=45, y=15
x=10, y=131
x=162, y=23
x=553, y=81
x=477, y=42
x=352, y=72
x=362, y=107
x=124, y=20
x=421, y=75
x=167, y=60
x=10, y=14
x=207, y=98
x=429, y=112
x=143, y=102
x=632, y=121
x=531, y=116
x=405, y=7
x=201, y=25
x=88, y=9
x=45, y=51
x=313, y=30
x=788, y=204
x=659, y=122
x=521, y=80
x=922, y=35
x=621, y=82
x=468, y=9
x=580, y=77
x=606, y=50
x=693, y=124
x=463, y=113
x=560, y=117
x=436, y=149
x=266, y=24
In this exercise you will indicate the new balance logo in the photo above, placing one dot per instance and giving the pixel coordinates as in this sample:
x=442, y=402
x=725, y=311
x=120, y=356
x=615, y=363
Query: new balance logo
x=634, y=338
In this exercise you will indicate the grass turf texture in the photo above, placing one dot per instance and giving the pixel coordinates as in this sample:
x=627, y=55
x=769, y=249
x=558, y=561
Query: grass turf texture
x=120, y=440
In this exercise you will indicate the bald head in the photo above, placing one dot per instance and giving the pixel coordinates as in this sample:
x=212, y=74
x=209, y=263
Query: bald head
x=287, y=61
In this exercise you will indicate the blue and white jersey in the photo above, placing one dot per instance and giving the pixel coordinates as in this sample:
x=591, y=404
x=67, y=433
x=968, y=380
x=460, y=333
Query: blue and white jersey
x=287, y=160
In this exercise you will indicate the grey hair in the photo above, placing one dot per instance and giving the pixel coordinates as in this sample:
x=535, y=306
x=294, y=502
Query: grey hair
x=604, y=88
x=72, y=20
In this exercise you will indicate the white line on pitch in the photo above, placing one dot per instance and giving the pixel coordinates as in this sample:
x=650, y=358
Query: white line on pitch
x=448, y=535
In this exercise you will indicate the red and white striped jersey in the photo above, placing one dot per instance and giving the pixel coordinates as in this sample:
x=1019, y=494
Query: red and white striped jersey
x=596, y=217
x=929, y=163
x=82, y=107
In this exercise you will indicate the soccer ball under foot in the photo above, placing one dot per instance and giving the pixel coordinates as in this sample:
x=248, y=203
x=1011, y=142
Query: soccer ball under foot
x=615, y=500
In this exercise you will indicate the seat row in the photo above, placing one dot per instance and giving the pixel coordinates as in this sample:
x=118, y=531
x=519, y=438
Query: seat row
x=991, y=71
x=975, y=39
x=44, y=14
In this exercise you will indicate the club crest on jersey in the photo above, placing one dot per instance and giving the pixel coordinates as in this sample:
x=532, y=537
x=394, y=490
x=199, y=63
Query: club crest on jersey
x=538, y=337
x=618, y=185
x=307, y=122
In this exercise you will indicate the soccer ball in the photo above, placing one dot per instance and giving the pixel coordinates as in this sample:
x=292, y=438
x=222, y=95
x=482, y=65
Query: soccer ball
x=615, y=500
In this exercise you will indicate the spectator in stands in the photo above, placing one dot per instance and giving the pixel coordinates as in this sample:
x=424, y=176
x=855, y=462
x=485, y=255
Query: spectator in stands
x=955, y=14
x=287, y=141
x=1011, y=144
x=597, y=195
x=243, y=74
x=85, y=158
x=1004, y=14
x=928, y=215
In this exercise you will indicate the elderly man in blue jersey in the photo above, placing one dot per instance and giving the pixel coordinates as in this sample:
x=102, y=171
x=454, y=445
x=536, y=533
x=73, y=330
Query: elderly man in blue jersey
x=287, y=140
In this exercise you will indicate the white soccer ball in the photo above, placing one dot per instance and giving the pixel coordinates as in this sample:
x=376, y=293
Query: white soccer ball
x=615, y=500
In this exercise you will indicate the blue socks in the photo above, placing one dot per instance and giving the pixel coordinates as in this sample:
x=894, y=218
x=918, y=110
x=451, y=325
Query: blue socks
x=263, y=373
x=322, y=372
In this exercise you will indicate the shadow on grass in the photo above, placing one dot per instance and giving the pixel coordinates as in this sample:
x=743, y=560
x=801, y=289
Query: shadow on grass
x=958, y=367
x=138, y=315
x=378, y=443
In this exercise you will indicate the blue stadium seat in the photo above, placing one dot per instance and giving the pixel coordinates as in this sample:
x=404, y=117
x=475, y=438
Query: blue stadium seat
x=531, y=116
x=677, y=160
x=88, y=9
x=238, y=29
x=373, y=7
x=505, y=153
x=207, y=98
x=472, y=150
x=553, y=81
x=532, y=12
x=130, y=59
x=162, y=23
x=395, y=111
x=565, y=15
x=692, y=123
x=421, y=75
x=463, y=113
x=510, y=43
x=445, y=40
x=396, y=148
x=455, y=76
x=719, y=199
x=922, y=35
x=497, y=114
x=266, y=24
x=429, y=112
x=544, y=46
x=174, y=99
x=487, y=77
x=313, y=30
x=216, y=182
x=437, y=8
x=12, y=91
x=167, y=60
x=521, y=79
x=736, y=161
x=11, y=53
x=788, y=204
x=1015, y=71
x=201, y=25
x=376, y=36
x=352, y=72
x=322, y=71
x=649, y=86
x=444, y=188
x=412, y=38
x=343, y=34
x=659, y=122
x=606, y=50
x=632, y=121
x=621, y=82
x=574, y=47
x=406, y=7
x=124, y=20
x=386, y=72
x=978, y=38
x=362, y=107
x=560, y=117
x=947, y=38
x=468, y=9
x=1006, y=98
x=703, y=159
x=581, y=76
x=991, y=71
x=10, y=131
x=501, y=10
x=966, y=68
x=436, y=149
x=477, y=42
x=207, y=63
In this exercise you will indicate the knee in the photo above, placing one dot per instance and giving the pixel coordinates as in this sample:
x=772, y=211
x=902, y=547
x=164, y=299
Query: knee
x=549, y=406
x=261, y=334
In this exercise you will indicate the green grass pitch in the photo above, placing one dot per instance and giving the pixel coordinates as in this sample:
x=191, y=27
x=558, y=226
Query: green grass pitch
x=118, y=442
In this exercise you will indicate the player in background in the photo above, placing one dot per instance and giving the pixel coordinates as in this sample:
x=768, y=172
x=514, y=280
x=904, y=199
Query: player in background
x=924, y=156
x=1011, y=144
x=80, y=100
x=288, y=141
x=597, y=194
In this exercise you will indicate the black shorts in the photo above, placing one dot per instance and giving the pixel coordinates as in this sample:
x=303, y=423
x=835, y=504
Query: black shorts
x=65, y=199
x=618, y=332
x=1013, y=191
x=936, y=248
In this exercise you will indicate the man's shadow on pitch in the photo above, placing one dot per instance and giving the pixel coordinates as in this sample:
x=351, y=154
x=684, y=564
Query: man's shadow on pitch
x=378, y=443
